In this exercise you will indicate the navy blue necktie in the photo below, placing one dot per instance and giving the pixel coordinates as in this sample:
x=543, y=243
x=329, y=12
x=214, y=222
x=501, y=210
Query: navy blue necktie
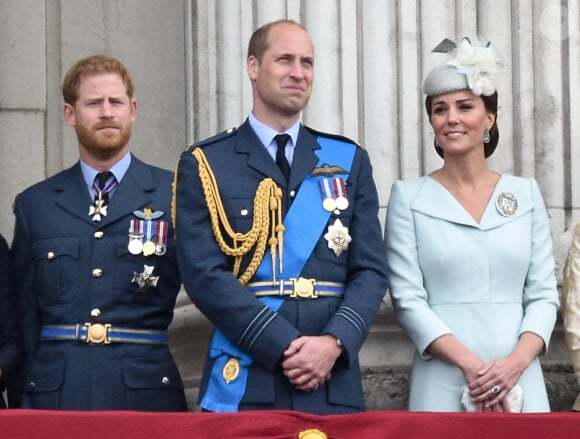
x=281, y=160
x=101, y=180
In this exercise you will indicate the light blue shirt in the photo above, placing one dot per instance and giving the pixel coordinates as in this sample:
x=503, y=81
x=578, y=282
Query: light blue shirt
x=118, y=170
x=266, y=134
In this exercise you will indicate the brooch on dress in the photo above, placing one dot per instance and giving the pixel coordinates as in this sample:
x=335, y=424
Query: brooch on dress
x=506, y=204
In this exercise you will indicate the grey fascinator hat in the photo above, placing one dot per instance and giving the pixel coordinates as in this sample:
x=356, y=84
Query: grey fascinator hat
x=473, y=65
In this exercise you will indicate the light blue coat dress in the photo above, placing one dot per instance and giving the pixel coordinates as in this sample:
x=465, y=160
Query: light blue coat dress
x=486, y=283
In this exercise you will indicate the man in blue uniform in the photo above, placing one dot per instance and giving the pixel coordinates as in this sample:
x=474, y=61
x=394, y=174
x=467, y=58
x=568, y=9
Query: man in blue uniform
x=279, y=245
x=95, y=262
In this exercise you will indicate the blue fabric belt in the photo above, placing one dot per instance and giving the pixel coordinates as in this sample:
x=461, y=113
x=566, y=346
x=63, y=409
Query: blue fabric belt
x=300, y=288
x=102, y=333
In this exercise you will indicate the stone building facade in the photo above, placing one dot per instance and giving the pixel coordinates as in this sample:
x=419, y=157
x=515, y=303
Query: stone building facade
x=188, y=61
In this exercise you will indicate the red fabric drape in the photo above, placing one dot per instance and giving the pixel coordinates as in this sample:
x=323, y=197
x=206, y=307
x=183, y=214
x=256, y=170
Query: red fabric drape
x=37, y=424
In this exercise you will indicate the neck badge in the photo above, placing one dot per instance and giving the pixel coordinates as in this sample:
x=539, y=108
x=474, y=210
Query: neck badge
x=97, y=210
x=99, y=207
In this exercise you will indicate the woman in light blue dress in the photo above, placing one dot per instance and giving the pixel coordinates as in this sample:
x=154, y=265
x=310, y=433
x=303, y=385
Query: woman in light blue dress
x=470, y=254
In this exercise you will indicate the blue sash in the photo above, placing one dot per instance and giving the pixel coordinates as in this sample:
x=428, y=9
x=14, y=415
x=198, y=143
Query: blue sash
x=300, y=239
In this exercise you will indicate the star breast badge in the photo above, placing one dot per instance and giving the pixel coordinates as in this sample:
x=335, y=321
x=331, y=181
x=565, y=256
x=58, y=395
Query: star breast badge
x=337, y=237
x=146, y=278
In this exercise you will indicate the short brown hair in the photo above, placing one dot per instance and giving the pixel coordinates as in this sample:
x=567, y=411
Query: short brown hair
x=490, y=103
x=93, y=65
x=259, y=39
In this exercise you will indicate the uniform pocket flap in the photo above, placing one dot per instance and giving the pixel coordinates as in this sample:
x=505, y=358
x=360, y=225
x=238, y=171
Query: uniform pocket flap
x=55, y=247
x=148, y=373
x=46, y=375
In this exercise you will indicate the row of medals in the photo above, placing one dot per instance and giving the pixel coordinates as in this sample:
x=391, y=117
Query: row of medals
x=136, y=245
x=333, y=195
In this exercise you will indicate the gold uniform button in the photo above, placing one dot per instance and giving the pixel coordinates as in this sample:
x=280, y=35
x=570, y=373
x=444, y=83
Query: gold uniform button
x=99, y=234
x=96, y=312
x=165, y=381
x=97, y=272
x=50, y=256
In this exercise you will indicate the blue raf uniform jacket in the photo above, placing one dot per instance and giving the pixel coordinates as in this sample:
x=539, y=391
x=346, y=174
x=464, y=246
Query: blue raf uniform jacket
x=72, y=270
x=240, y=162
x=10, y=345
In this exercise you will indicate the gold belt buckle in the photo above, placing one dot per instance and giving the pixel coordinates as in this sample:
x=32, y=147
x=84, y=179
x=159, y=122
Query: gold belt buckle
x=303, y=288
x=98, y=333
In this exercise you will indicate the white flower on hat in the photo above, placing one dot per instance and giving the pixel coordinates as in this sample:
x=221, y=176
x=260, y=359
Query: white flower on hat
x=479, y=62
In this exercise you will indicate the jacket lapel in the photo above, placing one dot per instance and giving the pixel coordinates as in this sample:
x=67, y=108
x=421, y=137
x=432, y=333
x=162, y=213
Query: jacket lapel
x=446, y=206
x=134, y=192
x=247, y=142
x=520, y=188
x=72, y=194
x=304, y=159
x=303, y=162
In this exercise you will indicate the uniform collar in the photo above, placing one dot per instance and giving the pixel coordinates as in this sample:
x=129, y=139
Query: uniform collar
x=266, y=134
x=119, y=170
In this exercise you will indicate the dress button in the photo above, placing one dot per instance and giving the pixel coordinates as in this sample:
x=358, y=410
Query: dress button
x=99, y=234
x=97, y=272
x=165, y=381
x=292, y=194
x=50, y=256
x=32, y=384
x=95, y=312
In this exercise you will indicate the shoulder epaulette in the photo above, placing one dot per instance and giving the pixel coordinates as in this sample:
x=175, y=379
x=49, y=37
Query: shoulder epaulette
x=332, y=136
x=213, y=139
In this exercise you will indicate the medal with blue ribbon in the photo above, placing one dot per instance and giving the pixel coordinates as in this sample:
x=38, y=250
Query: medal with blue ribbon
x=326, y=189
x=149, y=244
